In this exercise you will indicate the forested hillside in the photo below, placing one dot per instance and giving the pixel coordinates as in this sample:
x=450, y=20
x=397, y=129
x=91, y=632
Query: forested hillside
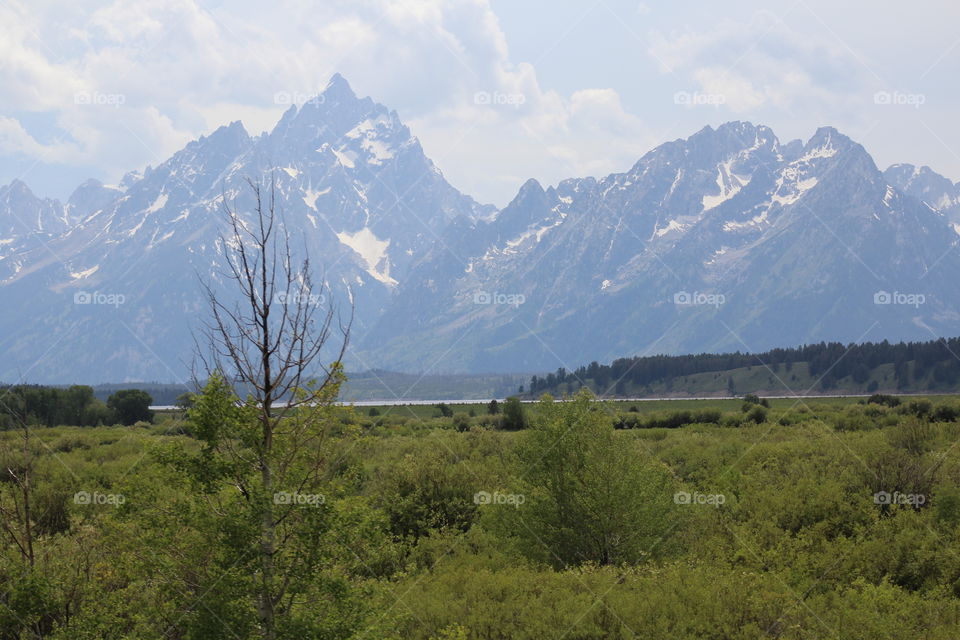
x=913, y=367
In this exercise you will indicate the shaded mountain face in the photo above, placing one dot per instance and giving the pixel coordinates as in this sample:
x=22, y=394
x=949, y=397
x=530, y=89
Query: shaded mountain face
x=727, y=240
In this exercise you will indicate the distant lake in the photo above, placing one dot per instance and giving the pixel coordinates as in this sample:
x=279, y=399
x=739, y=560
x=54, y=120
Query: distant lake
x=400, y=403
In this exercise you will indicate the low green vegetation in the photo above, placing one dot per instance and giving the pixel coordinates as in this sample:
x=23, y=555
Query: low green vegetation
x=754, y=518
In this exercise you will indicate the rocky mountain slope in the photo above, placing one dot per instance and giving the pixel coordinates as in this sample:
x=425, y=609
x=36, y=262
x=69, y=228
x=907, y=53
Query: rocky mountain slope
x=727, y=240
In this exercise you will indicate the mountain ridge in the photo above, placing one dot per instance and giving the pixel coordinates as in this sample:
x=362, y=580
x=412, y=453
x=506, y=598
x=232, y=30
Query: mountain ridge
x=796, y=237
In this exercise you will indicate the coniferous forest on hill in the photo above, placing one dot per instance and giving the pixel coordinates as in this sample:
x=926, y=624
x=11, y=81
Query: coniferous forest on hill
x=835, y=368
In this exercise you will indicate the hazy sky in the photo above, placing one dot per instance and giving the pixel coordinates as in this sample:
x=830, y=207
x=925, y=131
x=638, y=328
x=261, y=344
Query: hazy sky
x=498, y=91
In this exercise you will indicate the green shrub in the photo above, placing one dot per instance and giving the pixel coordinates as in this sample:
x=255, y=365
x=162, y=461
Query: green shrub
x=514, y=415
x=461, y=422
x=854, y=419
x=912, y=435
x=588, y=497
x=884, y=399
x=945, y=413
x=427, y=492
x=919, y=408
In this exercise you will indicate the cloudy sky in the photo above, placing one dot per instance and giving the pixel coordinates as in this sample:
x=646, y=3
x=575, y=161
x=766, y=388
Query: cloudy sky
x=498, y=91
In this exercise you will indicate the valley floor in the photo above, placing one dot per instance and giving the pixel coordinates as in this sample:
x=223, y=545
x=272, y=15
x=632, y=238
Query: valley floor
x=810, y=518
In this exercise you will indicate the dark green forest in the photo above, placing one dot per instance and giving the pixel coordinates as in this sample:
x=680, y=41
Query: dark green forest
x=827, y=367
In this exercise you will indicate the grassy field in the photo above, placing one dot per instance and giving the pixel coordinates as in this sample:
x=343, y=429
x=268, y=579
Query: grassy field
x=822, y=518
x=424, y=411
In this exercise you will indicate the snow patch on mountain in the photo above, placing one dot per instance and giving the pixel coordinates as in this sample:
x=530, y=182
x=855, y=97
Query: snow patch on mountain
x=827, y=150
x=372, y=250
x=86, y=273
x=729, y=184
x=533, y=232
x=345, y=157
x=792, y=191
x=158, y=204
x=673, y=225
x=377, y=149
x=310, y=197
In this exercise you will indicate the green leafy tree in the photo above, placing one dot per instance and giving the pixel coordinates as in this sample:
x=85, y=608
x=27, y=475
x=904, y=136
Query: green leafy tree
x=589, y=495
x=131, y=406
x=186, y=400
x=514, y=416
x=76, y=401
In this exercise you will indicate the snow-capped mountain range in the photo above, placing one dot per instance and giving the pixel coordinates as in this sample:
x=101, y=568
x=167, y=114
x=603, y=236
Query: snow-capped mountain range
x=727, y=240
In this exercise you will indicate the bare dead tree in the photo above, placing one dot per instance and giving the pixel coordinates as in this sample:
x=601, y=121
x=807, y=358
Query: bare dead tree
x=268, y=334
x=16, y=516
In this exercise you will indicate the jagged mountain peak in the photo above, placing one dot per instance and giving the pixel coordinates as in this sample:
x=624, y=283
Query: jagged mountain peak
x=828, y=138
x=531, y=187
x=234, y=130
x=928, y=186
x=91, y=196
x=338, y=87
x=347, y=129
x=17, y=188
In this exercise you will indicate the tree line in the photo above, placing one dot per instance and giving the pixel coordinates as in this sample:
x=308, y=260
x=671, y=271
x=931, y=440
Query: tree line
x=77, y=405
x=935, y=362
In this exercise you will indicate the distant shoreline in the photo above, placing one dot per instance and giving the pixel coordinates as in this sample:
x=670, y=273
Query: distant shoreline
x=468, y=401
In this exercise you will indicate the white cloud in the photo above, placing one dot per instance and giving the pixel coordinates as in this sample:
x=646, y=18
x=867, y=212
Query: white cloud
x=179, y=71
x=15, y=139
x=763, y=62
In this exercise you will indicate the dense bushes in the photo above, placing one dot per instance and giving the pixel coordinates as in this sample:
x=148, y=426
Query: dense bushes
x=427, y=492
x=668, y=420
x=454, y=528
